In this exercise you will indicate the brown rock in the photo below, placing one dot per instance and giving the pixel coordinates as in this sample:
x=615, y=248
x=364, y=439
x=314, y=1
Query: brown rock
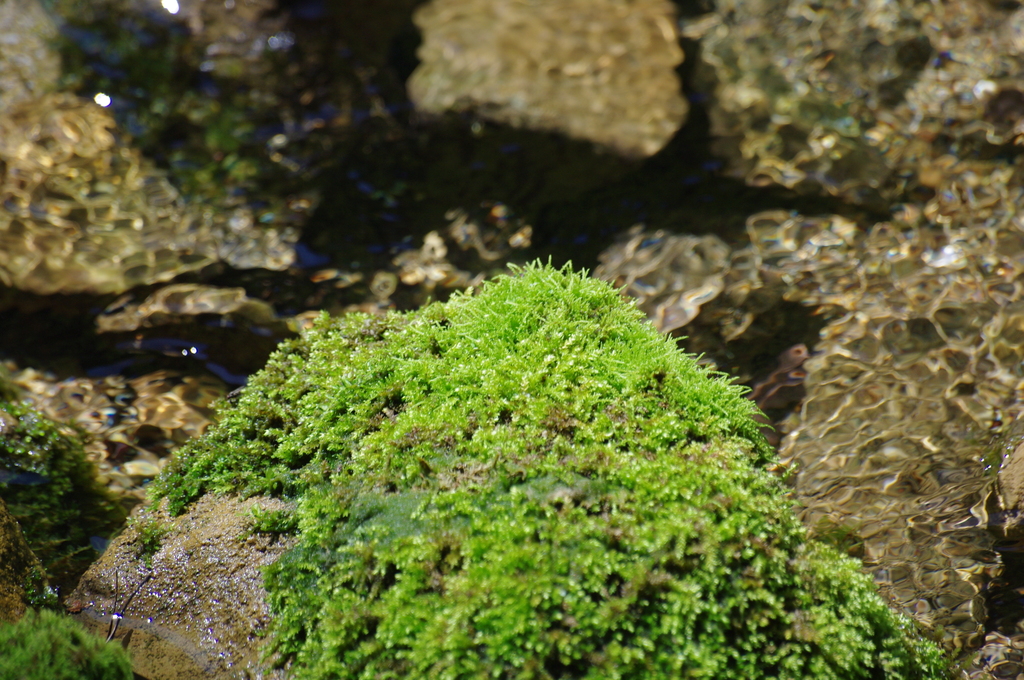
x=1011, y=480
x=29, y=61
x=189, y=590
x=602, y=70
x=17, y=564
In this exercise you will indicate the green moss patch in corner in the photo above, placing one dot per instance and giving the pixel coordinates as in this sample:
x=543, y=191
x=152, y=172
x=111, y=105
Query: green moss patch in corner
x=49, y=646
x=52, y=490
x=531, y=482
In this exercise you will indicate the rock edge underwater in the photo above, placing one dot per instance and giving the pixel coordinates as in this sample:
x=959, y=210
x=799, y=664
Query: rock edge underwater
x=530, y=482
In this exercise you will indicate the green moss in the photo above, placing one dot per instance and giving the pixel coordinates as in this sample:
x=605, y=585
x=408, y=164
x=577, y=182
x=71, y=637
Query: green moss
x=38, y=593
x=278, y=522
x=151, y=533
x=51, y=489
x=49, y=646
x=531, y=482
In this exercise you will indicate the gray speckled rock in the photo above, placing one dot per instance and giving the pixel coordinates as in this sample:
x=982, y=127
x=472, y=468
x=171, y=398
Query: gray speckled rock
x=189, y=589
x=602, y=70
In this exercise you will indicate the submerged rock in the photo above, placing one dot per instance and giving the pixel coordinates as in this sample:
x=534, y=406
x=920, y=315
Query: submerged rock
x=85, y=213
x=859, y=98
x=176, y=302
x=602, y=70
x=1011, y=481
x=529, y=480
x=130, y=426
x=29, y=64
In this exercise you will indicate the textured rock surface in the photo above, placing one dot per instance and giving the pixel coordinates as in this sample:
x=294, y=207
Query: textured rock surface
x=859, y=98
x=29, y=65
x=176, y=302
x=602, y=70
x=189, y=588
x=18, y=567
x=82, y=213
x=1011, y=481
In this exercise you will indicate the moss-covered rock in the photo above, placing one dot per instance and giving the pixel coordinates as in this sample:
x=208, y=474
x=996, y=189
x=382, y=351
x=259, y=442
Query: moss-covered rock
x=49, y=646
x=52, y=491
x=22, y=580
x=531, y=482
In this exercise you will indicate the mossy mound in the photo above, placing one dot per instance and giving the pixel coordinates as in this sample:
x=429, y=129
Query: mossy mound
x=533, y=483
x=49, y=646
x=52, y=490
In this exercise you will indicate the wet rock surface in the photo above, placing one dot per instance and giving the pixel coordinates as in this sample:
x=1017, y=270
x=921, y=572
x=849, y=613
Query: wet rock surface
x=18, y=567
x=176, y=302
x=859, y=99
x=188, y=590
x=1011, y=480
x=29, y=66
x=602, y=70
x=84, y=213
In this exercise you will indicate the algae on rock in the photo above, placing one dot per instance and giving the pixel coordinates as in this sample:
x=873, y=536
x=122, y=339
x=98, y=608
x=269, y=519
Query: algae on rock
x=52, y=491
x=22, y=583
x=533, y=482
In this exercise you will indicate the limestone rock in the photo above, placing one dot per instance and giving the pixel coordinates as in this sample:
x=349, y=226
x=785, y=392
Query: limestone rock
x=602, y=70
x=189, y=588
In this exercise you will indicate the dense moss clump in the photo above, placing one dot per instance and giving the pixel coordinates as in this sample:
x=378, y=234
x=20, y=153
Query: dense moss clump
x=52, y=490
x=49, y=646
x=531, y=482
